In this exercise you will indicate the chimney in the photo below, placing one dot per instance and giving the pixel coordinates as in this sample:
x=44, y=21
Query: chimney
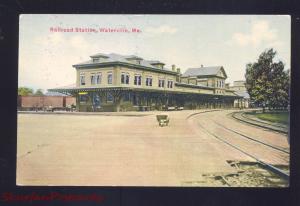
x=201, y=65
x=173, y=68
x=178, y=78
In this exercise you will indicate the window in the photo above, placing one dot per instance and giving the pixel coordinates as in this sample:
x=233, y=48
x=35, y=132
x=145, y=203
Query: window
x=170, y=84
x=137, y=79
x=82, y=79
x=127, y=79
x=149, y=81
x=124, y=78
x=109, y=78
x=98, y=78
x=161, y=83
x=93, y=79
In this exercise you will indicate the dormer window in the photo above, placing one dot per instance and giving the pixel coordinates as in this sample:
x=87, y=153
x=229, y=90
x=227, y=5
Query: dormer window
x=134, y=59
x=96, y=59
x=157, y=64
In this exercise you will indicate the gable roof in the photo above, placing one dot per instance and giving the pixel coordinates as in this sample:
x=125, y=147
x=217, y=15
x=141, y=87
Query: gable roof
x=113, y=58
x=204, y=71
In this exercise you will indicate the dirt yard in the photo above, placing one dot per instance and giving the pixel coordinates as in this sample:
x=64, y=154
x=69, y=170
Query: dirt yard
x=118, y=150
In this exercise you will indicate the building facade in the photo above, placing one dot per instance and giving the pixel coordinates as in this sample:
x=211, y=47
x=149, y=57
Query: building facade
x=240, y=89
x=113, y=82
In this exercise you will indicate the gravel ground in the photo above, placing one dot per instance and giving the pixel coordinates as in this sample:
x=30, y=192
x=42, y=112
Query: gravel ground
x=116, y=150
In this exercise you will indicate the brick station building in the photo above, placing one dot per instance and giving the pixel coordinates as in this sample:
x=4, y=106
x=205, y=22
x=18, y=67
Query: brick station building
x=113, y=82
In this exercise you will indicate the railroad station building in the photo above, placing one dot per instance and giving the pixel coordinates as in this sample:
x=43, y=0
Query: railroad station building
x=240, y=89
x=113, y=82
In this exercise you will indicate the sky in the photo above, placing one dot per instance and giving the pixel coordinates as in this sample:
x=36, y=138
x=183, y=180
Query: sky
x=187, y=41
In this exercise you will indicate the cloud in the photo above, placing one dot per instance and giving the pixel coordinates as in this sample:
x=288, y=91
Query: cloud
x=164, y=29
x=260, y=33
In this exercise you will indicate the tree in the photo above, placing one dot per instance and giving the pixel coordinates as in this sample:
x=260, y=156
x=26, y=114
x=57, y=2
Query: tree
x=267, y=82
x=25, y=91
x=39, y=92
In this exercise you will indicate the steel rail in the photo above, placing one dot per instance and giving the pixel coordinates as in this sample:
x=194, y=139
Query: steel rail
x=243, y=114
x=251, y=138
x=258, y=125
x=276, y=170
x=270, y=167
x=205, y=111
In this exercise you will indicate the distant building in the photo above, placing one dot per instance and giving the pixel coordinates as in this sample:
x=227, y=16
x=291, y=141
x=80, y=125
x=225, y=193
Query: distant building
x=113, y=82
x=240, y=89
x=213, y=77
x=42, y=102
x=239, y=85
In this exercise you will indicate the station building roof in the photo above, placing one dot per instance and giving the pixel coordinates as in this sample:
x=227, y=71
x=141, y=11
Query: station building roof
x=204, y=71
x=243, y=94
x=100, y=58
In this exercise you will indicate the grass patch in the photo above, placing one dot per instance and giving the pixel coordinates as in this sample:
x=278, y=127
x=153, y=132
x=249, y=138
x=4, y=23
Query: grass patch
x=277, y=117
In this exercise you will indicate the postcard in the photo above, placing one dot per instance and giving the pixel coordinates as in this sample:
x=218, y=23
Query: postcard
x=154, y=100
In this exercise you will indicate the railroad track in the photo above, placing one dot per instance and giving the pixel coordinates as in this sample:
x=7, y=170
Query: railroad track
x=252, y=138
x=243, y=114
x=254, y=141
x=240, y=116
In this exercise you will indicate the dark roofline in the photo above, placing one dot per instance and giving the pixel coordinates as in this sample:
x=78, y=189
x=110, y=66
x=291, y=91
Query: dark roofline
x=75, y=90
x=99, y=55
x=118, y=63
x=133, y=58
x=197, y=76
x=193, y=86
x=157, y=63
